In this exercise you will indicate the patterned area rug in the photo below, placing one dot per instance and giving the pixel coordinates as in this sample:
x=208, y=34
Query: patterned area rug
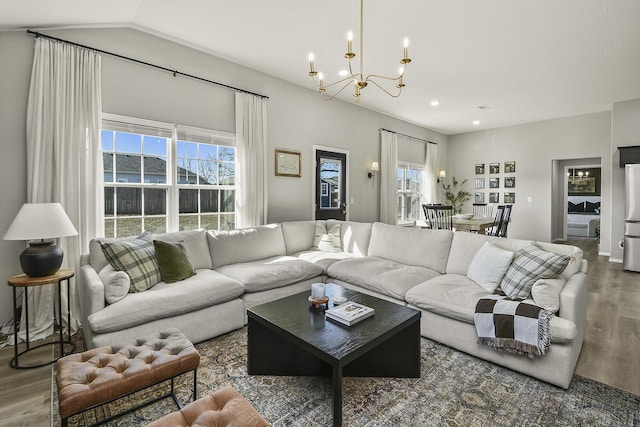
x=455, y=389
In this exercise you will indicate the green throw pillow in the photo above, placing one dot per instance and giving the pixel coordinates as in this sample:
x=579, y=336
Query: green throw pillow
x=173, y=261
x=135, y=257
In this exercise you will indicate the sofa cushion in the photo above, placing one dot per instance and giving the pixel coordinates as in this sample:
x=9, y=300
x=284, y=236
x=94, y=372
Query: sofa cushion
x=164, y=300
x=381, y=275
x=298, y=235
x=137, y=258
x=412, y=246
x=465, y=246
x=450, y=295
x=195, y=241
x=327, y=238
x=270, y=273
x=489, y=266
x=323, y=259
x=530, y=264
x=173, y=261
x=116, y=283
x=245, y=245
x=455, y=296
x=355, y=236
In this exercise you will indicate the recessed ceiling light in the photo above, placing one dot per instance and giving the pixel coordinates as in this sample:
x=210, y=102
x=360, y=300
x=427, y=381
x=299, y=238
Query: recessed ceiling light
x=435, y=103
x=476, y=122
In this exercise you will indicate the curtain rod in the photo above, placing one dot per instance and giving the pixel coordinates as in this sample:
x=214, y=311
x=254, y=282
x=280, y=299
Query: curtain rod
x=174, y=72
x=409, y=136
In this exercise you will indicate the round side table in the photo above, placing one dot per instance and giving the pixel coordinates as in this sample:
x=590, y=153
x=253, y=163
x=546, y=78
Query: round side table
x=24, y=281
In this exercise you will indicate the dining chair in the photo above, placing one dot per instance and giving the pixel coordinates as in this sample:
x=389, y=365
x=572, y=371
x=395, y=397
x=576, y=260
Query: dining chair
x=439, y=217
x=506, y=217
x=482, y=210
x=497, y=222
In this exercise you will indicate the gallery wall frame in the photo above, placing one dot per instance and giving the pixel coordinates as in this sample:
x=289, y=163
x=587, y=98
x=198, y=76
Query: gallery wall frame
x=494, y=168
x=480, y=169
x=509, y=182
x=509, y=167
x=288, y=163
x=494, y=197
x=479, y=183
x=494, y=182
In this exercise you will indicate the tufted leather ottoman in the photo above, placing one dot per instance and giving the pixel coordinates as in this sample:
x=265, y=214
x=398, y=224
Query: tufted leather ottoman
x=225, y=407
x=101, y=375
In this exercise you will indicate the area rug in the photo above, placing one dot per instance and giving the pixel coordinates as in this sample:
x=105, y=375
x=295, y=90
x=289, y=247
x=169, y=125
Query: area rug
x=455, y=389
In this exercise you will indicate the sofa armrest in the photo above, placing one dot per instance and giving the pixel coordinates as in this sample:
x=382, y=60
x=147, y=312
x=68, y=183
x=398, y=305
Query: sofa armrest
x=573, y=302
x=90, y=291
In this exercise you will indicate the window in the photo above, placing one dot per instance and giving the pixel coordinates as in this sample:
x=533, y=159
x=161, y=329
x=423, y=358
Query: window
x=161, y=177
x=409, y=189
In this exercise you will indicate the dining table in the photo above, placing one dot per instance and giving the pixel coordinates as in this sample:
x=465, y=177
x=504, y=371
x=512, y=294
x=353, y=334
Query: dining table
x=474, y=224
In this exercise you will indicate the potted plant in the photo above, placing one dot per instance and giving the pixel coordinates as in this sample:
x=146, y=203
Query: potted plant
x=455, y=195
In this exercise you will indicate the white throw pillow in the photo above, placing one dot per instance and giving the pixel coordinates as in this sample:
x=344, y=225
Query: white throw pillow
x=546, y=293
x=116, y=283
x=489, y=265
x=327, y=240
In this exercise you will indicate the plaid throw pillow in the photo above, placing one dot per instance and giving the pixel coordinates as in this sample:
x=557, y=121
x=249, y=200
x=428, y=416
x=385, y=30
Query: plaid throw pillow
x=531, y=263
x=137, y=258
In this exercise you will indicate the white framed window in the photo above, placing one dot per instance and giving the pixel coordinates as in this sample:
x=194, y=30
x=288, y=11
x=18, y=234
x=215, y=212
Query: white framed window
x=324, y=189
x=163, y=177
x=409, y=191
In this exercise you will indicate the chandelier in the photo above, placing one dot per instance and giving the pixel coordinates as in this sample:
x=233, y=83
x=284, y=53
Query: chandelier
x=578, y=177
x=358, y=79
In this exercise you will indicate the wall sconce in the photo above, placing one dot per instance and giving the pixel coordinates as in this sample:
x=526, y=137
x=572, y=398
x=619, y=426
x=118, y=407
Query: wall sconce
x=374, y=168
x=441, y=174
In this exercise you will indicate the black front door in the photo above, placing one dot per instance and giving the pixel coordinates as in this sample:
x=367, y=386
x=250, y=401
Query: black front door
x=331, y=185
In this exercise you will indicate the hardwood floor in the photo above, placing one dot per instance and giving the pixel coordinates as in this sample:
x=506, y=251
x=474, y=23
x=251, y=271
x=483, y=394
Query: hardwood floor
x=609, y=354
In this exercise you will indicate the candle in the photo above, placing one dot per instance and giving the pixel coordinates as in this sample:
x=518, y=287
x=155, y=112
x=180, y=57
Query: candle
x=317, y=291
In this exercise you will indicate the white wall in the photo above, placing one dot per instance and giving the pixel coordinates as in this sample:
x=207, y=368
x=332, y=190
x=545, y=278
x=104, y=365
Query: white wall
x=15, y=71
x=625, y=132
x=533, y=147
x=297, y=120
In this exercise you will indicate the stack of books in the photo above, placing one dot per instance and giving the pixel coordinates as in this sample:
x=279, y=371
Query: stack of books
x=349, y=313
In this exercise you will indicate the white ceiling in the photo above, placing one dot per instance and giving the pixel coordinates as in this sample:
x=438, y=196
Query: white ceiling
x=527, y=60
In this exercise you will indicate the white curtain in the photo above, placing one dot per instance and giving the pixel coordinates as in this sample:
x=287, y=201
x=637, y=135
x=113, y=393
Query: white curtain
x=388, y=177
x=430, y=186
x=251, y=141
x=64, y=162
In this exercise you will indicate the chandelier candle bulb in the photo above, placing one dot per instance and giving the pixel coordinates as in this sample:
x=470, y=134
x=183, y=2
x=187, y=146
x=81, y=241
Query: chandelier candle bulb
x=349, y=53
x=312, y=72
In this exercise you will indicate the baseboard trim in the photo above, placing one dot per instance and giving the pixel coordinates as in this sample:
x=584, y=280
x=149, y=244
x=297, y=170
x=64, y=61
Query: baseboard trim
x=616, y=260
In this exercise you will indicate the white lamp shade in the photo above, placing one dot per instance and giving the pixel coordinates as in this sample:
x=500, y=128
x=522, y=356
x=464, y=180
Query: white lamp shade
x=442, y=174
x=375, y=166
x=40, y=221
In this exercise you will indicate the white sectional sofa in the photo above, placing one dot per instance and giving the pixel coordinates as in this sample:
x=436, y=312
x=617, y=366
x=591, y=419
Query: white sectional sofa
x=424, y=269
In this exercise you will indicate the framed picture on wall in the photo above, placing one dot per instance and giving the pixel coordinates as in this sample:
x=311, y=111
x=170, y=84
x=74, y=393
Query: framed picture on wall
x=288, y=163
x=480, y=169
x=494, y=197
x=479, y=183
x=494, y=167
x=509, y=167
x=494, y=182
x=510, y=182
x=479, y=198
x=510, y=198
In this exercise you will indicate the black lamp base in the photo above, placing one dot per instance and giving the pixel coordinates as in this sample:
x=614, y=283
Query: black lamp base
x=41, y=259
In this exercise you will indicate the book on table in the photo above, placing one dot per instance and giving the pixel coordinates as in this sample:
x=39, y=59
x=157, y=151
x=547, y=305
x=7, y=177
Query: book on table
x=349, y=313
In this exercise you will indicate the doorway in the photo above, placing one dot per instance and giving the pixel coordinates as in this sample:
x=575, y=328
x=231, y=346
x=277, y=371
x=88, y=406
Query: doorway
x=576, y=199
x=330, y=185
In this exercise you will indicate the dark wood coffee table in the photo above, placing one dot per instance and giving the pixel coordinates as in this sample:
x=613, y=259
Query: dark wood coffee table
x=291, y=337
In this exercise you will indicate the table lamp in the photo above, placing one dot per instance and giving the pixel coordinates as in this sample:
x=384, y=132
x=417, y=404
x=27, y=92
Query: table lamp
x=41, y=222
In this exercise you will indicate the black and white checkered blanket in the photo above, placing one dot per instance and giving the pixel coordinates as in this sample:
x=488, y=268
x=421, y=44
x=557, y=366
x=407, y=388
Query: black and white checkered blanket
x=513, y=326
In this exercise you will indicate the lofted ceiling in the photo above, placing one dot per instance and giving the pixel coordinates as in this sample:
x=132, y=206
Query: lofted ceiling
x=526, y=60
